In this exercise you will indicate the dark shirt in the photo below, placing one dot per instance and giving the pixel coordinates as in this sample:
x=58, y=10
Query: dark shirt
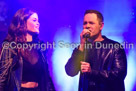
x=32, y=72
x=32, y=66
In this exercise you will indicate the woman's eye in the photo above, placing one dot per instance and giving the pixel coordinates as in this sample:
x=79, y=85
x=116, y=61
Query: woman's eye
x=34, y=20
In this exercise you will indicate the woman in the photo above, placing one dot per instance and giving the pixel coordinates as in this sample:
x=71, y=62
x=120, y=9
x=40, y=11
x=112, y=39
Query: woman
x=24, y=69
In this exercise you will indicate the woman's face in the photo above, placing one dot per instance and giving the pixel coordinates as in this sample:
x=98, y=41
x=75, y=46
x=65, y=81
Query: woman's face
x=33, y=23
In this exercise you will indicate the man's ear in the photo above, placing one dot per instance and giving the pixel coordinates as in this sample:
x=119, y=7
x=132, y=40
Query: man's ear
x=101, y=25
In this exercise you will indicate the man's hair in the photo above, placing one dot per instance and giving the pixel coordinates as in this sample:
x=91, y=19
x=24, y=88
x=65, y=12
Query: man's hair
x=99, y=15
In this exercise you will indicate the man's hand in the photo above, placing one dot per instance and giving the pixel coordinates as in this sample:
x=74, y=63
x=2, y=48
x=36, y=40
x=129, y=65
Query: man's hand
x=82, y=39
x=85, y=67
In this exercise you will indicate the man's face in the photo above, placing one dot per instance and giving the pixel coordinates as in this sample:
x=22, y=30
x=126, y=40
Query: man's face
x=92, y=23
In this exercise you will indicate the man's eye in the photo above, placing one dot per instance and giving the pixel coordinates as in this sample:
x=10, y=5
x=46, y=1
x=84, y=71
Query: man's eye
x=85, y=23
x=91, y=23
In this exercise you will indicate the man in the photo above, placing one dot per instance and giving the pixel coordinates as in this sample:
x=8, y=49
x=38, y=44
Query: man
x=102, y=65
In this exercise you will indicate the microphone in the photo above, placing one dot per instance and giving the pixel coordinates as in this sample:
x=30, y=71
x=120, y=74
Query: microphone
x=87, y=35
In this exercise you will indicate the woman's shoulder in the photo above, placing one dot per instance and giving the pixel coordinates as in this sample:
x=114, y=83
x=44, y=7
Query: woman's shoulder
x=7, y=52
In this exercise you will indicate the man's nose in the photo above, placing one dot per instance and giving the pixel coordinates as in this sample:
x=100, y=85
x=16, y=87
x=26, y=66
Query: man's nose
x=87, y=26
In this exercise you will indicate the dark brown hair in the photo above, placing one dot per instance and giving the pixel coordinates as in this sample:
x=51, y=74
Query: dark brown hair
x=18, y=27
x=99, y=15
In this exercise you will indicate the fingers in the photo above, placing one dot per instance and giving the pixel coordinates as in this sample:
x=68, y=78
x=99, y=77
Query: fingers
x=84, y=32
x=82, y=39
x=84, y=63
x=85, y=67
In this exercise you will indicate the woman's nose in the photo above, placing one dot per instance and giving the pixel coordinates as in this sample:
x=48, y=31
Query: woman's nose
x=38, y=23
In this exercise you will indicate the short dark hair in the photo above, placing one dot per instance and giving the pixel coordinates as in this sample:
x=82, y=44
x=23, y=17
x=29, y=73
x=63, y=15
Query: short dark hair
x=99, y=15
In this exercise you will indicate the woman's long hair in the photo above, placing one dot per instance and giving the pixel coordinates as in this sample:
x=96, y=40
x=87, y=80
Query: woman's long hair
x=18, y=28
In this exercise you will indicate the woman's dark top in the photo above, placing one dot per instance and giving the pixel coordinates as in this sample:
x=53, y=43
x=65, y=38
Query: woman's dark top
x=32, y=65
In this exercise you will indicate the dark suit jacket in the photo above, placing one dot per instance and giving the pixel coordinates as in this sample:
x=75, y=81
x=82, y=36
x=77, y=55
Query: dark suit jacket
x=108, y=66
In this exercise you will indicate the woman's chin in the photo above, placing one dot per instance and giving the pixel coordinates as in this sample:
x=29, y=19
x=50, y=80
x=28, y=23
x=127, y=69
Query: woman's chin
x=33, y=32
x=37, y=32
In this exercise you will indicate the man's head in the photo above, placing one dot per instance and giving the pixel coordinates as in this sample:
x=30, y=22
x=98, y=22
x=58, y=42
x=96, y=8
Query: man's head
x=99, y=15
x=93, y=21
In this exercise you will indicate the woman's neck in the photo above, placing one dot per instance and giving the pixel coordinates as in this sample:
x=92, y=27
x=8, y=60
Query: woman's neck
x=29, y=37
